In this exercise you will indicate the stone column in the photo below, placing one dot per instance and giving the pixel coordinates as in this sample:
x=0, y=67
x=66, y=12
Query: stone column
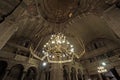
x=23, y=75
x=37, y=74
x=57, y=72
x=7, y=71
x=98, y=64
x=6, y=31
x=100, y=76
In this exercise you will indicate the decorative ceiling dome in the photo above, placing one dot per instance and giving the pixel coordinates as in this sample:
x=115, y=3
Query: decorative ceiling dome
x=58, y=11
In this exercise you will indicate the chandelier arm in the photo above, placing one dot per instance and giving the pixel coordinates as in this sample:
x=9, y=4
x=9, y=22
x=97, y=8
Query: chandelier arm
x=33, y=54
x=76, y=55
x=60, y=61
x=67, y=51
x=43, y=57
x=82, y=53
x=81, y=43
x=65, y=61
x=51, y=48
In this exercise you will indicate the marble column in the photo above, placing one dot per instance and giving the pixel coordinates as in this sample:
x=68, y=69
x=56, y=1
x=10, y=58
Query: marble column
x=6, y=31
x=57, y=72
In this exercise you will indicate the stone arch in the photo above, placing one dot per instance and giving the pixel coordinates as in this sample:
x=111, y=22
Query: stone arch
x=3, y=66
x=15, y=72
x=31, y=74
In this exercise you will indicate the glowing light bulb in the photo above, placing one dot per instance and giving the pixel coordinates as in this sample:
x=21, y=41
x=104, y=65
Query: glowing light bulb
x=53, y=42
x=59, y=41
x=63, y=41
x=72, y=50
x=44, y=45
x=44, y=64
x=53, y=56
x=63, y=55
x=103, y=63
x=68, y=42
x=43, y=51
x=71, y=45
x=50, y=56
x=52, y=35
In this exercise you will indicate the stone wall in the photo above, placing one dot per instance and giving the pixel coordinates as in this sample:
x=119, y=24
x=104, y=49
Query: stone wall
x=112, y=17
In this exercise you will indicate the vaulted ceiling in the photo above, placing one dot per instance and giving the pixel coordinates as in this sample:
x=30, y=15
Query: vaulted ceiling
x=38, y=19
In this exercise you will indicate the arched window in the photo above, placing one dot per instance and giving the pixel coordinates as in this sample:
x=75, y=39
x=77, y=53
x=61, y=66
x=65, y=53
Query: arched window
x=3, y=66
x=31, y=74
x=96, y=43
x=15, y=72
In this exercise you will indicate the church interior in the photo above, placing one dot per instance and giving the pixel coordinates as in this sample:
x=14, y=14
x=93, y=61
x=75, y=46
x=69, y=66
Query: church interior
x=59, y=39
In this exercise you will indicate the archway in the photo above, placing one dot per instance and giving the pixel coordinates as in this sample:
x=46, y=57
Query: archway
x=3, y=66
x=15, y=72
x=31, y=74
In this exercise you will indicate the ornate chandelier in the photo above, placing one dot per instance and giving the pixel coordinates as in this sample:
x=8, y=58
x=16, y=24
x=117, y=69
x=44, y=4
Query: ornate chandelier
x=101, y=69
x=58, y=50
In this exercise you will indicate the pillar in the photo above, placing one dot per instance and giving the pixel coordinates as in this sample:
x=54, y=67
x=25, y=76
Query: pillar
x=100, y=76
x=7, y=71
x=115, y=73
x=103, y=76
x=6, y=31
x=23, y=75
x=57, y=72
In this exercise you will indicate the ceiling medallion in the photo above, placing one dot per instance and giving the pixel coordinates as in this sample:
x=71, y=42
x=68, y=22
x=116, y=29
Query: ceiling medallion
x=59, y=11
x=58, y=50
